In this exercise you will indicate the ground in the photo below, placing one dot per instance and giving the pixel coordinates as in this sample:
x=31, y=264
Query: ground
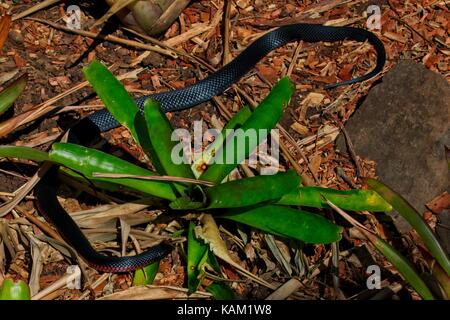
x=53, y=60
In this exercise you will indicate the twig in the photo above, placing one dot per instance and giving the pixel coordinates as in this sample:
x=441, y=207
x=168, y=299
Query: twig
x=346, y=216
x=4, y=210
x=34, y=9
x=48, y=106
x=340, y=172
x=109, y=38
x=12, y=195
x=156, y=178
x=300, y=152
x=63, y=281
x=96, y=283
x=40, y=224
x=226, y=33
x=194, y=31
x=399, y=19
x=351, y=150
x=11, y=173
x=294, y=59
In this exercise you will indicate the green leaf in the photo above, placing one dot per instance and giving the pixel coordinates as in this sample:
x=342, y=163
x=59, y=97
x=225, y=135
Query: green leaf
x=201, y=162
x=197, y=254
x=286, y=222
x=146, y=275
x=113, y=94
x=161, y=145
x=415, y=220
x=251, y=191
x=258, y=125
x=119, y=103
x=23, y=153
x=185, y=203
x=109, y=186
x=10, y=290
x=401, y=264
x=221, y=291
x=354, y=200
x=86, y=161
x=10, y=94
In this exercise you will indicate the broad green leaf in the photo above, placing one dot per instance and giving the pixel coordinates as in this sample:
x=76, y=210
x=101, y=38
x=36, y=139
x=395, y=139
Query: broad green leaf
x=161, y=145
x=354, y=200
x=86, y=161
x=146, y=275
x=251, y=191
x=286, y=222
x=197, y=254
x=255, y=130
x=112, y=93
x=10, y=94
x=119, y=103
x=23, y=153
x=185, y=203
x=10, y=290
x=202, y=161
x=221, y=291
x=415, y=220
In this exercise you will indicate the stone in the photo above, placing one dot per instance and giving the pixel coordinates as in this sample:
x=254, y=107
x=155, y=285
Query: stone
x=442, y=230
x=404, y=125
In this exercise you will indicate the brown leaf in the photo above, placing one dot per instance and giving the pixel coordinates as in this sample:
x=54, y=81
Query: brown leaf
x=300, y=129
x=316, y=161
x=5, y=24
x=346, y=72
x=439, y=203
x=19, y=61
x=268, y=72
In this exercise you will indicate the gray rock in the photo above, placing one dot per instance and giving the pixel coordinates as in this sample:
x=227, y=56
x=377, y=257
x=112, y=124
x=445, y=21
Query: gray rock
x=403, y=125
x=442, y=229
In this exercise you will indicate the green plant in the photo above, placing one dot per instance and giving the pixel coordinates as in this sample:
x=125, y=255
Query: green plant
x=435, y=253
x=11, y=290
x=261, y=202
x=439, y=271
x=7, y=98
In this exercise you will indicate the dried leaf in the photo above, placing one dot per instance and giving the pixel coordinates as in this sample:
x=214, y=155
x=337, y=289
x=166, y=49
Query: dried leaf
x=5, y=24
x=300, y=129
x=210, y=234
x=124, y=234
x=155, y=293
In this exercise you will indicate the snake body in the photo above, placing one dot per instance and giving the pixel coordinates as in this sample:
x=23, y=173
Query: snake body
x=177, y=100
